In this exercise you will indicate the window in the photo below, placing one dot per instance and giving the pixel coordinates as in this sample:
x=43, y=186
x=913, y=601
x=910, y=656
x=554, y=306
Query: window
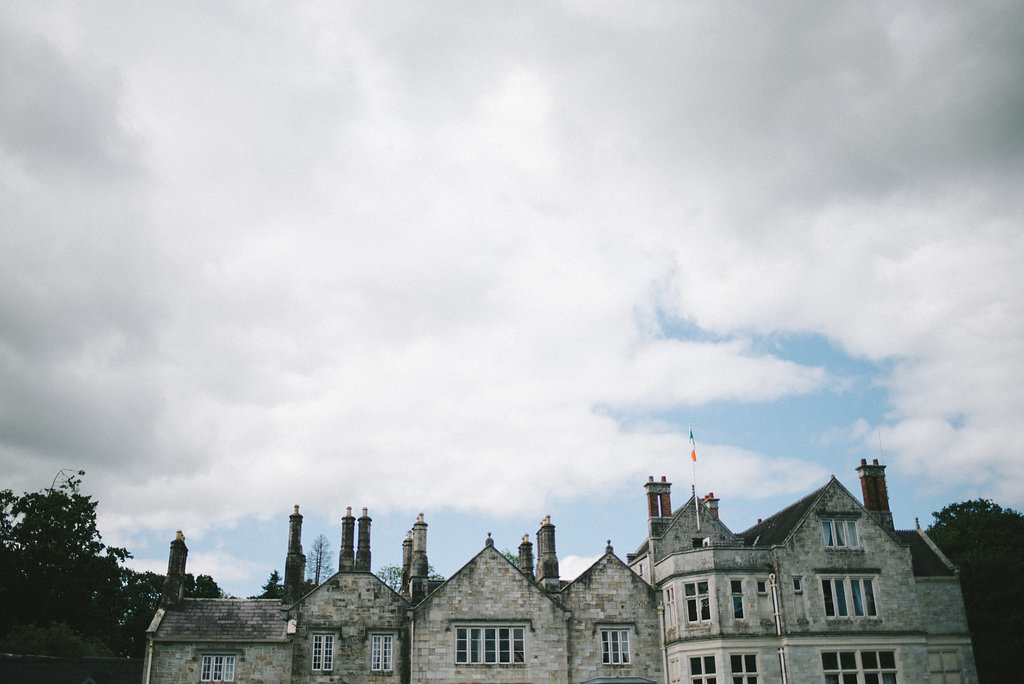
x=217, y=668
x=861, y=596
x=702, y=670
x=381, y=653
x=489, y=645
x=736, y=588
x=670, y=607
x=323, y=652
x=762, y=586
x=698, y=606
x=615, y=646
x=945, y=667
x=743, y=668
x=798, y=585
x=840, y=667
x=840, y=533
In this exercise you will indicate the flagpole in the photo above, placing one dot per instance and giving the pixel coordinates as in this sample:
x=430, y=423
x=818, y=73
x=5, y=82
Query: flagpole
x=693, y=487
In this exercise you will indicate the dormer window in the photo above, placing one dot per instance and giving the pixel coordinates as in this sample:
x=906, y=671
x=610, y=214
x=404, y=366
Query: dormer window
x=840, y=534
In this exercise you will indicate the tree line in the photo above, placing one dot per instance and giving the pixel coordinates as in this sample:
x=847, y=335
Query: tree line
x=64, y=593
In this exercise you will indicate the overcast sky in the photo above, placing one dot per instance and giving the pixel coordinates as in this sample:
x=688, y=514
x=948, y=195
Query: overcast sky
x=488, y=261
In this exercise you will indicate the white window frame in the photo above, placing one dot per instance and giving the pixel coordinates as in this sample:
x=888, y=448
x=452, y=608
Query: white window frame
x=615, y=646
x=217, y=667
x=852, y=667
x=840, y=533
x=698, y=603
x=670, y=607
x=490, y=645
x=702, y=675
x=382, y=652
x=747, y=671
x=322, y=653
x=736, y=592
x=849, y=597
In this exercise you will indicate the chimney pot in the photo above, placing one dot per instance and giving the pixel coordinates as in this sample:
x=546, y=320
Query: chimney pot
x=664, y=479
x=874, y=461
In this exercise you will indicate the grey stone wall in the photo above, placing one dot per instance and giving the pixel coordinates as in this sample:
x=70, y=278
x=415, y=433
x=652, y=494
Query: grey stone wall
x=255, y=663
x=610, y=595
x=352, y=606
x=489, y=590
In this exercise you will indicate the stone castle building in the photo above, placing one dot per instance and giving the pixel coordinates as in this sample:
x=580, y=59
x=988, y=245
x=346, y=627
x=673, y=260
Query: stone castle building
x=825, y=590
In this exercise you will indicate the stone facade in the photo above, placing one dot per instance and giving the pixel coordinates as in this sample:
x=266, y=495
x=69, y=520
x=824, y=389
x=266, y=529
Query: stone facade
x=825, y=590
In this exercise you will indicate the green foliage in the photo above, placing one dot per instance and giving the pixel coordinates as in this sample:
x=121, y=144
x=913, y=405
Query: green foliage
x=984, y=541
x=55, y=639
x=513, y=558
x=62, y=591
x=391, y=575
x=274, y=588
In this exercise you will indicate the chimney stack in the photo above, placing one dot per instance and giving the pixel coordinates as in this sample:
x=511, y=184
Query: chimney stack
x=347, y=557
x=420, y=566
x=876, y=496
x=712, y=503
x=547, y=559
x=174, y=584
x=295, y=561
x=363, y=547
x=526, y=557
x=406, y=564
x=659, y=504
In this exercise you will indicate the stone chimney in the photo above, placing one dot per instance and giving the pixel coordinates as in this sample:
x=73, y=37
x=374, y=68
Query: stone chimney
x=363, y=546
x=526, y=556
x=712, y=503
x=659, y=505
x=876, y=496
x=406, y=563
x=295, y=561
x=347, y=557
x=547, y=559
x=174, y=584
x=420, y=566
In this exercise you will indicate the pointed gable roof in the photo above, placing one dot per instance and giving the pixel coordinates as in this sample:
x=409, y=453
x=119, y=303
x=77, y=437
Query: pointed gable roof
x=777, y=528
x=926, y=558
x=608, y=560
x=471, y=565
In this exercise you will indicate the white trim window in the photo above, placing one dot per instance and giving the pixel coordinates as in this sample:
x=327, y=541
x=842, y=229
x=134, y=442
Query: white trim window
x=841, y=594
x=382, y=649
x=945, y=667
x=495, y=645
x=670, y=607
x=841, y=667
x=743, y=668
x=702, y=670
x=323, y=653
x=840, y=534
x=615, y=646
x=736, y=589
x=217, y=668
x=698, y=602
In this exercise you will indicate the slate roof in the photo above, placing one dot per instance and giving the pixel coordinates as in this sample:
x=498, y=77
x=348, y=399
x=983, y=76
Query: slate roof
x=224, y=620
x=924, y=559
x=46, y=670
x=775, y=529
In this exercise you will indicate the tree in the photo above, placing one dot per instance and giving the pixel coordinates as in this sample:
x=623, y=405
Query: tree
x=983, y=539
x=318, y=567
x=391, y=575
x=54, y=567
x=273, y=589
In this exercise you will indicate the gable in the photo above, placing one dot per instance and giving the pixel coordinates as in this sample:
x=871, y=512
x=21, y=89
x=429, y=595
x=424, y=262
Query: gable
x=608, y=576
x=682, y=534
x=488, y=581
x=349, y=591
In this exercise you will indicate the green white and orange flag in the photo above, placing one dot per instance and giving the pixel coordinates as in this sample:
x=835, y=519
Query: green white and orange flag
x=693, y=447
